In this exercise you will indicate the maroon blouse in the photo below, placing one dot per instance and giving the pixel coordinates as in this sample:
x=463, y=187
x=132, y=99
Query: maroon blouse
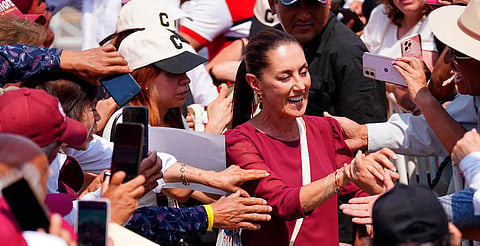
x=252, y=149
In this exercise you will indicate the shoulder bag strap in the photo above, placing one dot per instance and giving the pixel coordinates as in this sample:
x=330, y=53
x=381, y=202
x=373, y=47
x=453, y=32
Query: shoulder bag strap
x=305, y=172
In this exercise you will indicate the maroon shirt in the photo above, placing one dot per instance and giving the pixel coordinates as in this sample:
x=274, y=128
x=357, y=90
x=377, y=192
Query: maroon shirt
x=251, y=149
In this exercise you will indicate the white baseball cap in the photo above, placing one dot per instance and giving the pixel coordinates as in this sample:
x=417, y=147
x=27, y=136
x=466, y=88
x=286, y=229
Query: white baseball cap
x=148, y=13
x=159, y=46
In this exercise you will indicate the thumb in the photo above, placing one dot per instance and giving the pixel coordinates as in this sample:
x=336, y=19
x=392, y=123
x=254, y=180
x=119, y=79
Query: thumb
x=388, y=180
x=326, y=114
x=223, y=91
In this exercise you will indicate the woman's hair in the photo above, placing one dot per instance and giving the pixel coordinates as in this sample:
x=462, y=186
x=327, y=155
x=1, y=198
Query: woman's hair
x=15, y=29
x=395, y=15
x=73, y=93
x=143, y=76
x=254, y=61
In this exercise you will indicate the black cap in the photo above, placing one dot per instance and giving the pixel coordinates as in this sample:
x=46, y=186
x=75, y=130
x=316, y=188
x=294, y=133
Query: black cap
x=408, y=214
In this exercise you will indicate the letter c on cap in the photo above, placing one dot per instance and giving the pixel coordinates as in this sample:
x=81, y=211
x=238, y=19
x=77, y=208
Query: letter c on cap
x=268, y=16
x=164, y=19
x=176, y=41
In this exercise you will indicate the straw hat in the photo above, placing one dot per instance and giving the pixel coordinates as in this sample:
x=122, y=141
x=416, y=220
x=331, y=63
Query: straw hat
x=458, y=27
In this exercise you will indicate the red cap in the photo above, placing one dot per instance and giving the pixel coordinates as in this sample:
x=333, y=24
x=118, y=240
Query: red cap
x=39, y=116
x=8, y=7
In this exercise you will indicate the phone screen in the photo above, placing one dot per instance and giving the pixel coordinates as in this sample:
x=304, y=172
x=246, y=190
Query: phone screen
x=28, y=212
x=127, y=150
x=121, y=87
x=92, y=222
x=138, y=114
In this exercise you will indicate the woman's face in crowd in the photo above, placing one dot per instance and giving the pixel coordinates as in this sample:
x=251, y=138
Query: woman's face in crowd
x=89, y=119
x=467, y=79
x=285, y=82
x=169, y=90
x=408, y=7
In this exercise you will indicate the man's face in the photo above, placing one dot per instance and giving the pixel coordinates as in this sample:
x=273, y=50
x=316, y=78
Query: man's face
x=468, y=72
x=304, y=19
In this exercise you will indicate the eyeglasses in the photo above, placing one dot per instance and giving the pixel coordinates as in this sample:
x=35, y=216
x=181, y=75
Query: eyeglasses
x=457, y=55
x=290, y=2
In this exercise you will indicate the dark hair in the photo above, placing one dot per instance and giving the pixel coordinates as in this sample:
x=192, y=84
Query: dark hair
x=254, y=61
x=73, y=93
x=395, y=15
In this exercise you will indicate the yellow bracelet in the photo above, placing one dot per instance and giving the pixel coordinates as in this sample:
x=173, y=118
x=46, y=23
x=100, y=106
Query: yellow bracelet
x=210, y=216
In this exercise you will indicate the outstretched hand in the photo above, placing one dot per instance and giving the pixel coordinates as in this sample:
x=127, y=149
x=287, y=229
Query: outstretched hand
x=470, y=142
x=233, y=177
x=354, y=134
x=239, y=211
x=93, y=64
x=360, y=208
x=367, y=171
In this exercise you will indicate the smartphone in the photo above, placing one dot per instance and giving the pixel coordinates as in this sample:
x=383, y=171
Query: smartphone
x=127, y=149
x=412, y=46
x=381, y=68
x=26, y=208
x=92, y=222
x=349, y=14
x=138, y=114
x=122, y=87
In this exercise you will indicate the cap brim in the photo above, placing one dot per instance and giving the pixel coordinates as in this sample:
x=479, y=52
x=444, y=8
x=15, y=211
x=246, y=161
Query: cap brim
x=324, y=2
x=75, y=134
x=443, y=22
x=180, y=63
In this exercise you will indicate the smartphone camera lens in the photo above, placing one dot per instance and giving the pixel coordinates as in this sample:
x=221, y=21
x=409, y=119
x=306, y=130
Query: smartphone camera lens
x=372, y=74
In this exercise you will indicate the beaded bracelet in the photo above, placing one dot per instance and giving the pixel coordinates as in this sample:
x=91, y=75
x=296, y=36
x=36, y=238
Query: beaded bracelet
x=338, y=188
x=183, y=174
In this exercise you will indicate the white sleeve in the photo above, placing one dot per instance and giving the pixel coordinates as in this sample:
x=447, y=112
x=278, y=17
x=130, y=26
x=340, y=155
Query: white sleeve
x=209, y=18
x=167, y=162
x=411, y=135
x=96, y=158
x=470, y=166
x=373, y=31
x=202, y=88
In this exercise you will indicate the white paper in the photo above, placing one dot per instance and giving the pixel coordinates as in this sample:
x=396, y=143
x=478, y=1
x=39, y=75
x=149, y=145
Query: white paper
x=197, y=149
x=122, y=236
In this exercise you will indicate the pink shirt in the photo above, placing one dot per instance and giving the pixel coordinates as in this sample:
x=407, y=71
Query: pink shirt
x=251, y=149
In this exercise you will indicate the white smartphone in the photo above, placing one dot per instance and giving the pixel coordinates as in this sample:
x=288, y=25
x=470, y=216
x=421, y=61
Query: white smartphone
x=381, y=68
x=92, y=222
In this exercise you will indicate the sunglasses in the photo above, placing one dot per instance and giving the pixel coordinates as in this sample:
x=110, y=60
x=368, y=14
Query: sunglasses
x=290, y=2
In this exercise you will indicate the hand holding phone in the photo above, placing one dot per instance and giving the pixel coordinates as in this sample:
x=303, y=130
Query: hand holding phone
x=122, y=87
x=26, y=208
x=92, y=222
x=138, y=114
x=380, y=68
x=127, y=149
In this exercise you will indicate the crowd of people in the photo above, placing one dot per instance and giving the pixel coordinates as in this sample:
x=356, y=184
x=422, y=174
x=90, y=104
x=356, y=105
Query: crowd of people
x=309, y=140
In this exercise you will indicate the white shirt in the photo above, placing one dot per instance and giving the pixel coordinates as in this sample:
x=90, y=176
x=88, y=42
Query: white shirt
x=380, y=34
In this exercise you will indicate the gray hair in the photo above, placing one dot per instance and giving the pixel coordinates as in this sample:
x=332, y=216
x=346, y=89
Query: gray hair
x=28, y=171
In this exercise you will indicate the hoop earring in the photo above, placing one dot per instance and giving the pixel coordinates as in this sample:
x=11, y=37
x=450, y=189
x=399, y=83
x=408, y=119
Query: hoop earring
x=261, y=101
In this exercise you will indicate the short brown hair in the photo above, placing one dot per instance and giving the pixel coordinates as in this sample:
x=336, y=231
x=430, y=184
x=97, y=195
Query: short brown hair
x=15, y=29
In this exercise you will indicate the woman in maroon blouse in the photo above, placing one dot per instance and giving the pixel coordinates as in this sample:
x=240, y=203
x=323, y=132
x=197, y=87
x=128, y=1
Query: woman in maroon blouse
x=275, y=69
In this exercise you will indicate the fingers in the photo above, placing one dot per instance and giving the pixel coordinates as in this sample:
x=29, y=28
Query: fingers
x=248, y=226
x=362, y=221
x=117, y=178
x=55, y=224
x=252, y=201
x=388, y=180
x=108, y=48
x=256, y=217
x=223, y=91
x=248, y=175
x=359, y=200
